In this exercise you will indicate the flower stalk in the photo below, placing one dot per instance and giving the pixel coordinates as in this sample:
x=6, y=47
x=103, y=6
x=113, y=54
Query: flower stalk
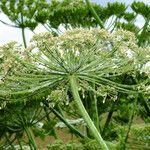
x=31, y=137
x=83, y=112
x=95, y=14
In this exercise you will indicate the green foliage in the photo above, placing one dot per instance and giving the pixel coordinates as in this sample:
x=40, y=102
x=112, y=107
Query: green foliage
x=138, y=138
x=129, y=16
x=75, y=145
x=142, y=9
x=47, y=129
x=20, y=12
x=116, y=8
x=64, y=146
x=127, y=26
x=15, y=118
x=72, y=13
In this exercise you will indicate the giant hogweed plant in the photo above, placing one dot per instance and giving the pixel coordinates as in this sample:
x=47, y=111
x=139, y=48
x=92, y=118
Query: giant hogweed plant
x=49, y=16
x=76, y=59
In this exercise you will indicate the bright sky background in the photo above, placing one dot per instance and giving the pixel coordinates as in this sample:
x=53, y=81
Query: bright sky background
x=104, y=2
x=8, y=33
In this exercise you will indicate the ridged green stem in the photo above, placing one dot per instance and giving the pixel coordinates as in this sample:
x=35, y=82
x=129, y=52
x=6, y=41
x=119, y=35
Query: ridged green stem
x=23, y=37
x=19, y=142
x=130, y=123
x=23, y=32
x=142, y=99
x=83, y=112
x=48, y=119
x=145, y=104
x=10, y=143
x=108, y=118
x=72, y=128
x=94, y=14
x=31, y=137
x=94, y=111
x=143, y=32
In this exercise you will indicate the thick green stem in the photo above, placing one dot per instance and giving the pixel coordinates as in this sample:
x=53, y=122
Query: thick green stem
x=140, y=42
x=130, y=123
x=48, y=119
x=94, y=14
x=72, y=128
x=94, y=111
x=87, y=105
x=142, y=99
x=23, y=32
x=19, y=142
x=60, y=111
x=145, y=104
x=9, y=142
x=91, y=108
x=23, y=37
x=108, y=118
x=31, y=137
x=83, y=112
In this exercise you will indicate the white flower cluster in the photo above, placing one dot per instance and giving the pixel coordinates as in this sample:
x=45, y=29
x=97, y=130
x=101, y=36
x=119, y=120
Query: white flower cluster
x=57, y=96
x=118, y=50
x=105, y=52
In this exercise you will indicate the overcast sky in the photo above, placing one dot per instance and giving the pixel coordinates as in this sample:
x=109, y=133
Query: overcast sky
x=104, y=2
x=8, y=33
